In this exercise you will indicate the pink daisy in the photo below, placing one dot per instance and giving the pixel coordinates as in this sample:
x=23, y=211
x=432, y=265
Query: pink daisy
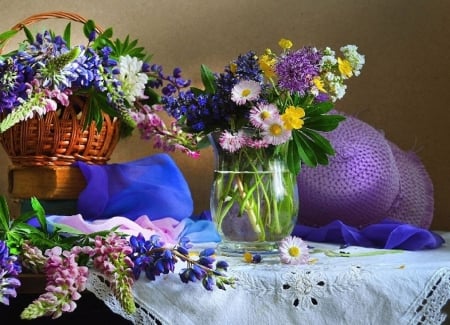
x=232, y=142
x=259, y=115
x=293, y=250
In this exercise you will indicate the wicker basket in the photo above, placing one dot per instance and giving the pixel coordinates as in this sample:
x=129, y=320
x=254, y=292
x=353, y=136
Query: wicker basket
x=58, y=138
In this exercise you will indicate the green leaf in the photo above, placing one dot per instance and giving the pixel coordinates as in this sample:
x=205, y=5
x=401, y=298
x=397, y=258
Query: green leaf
x=203, y=142
x=40, y=213
x=5, y=36
x=305, y=152
x=88, y=28
x=321, y=141
x=96, y=102
x=319, y=108
x=197, y=91
x=208, y=79
x=29, y=35
x=293, y=158
x=66, y=229
x=108, y=33
x=321, y=156
x=67, y=33
x=23, y=218
x=4, y=214
x=323, y=122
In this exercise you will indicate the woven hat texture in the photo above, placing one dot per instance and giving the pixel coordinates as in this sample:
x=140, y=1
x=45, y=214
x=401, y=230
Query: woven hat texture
x=369, y=179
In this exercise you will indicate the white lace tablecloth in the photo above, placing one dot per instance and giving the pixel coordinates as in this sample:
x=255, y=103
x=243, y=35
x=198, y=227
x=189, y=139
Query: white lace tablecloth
x=399, y=288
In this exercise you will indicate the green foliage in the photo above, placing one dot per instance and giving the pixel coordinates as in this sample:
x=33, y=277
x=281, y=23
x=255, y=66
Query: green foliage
x=208, y=79
x=119, y=47
x=14, y=232
x=308, y=145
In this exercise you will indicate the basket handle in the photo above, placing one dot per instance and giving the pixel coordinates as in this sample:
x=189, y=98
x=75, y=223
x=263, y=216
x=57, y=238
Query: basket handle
x=49, y=15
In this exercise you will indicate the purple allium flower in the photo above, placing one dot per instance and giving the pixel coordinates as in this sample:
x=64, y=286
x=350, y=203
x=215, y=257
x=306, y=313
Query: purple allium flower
x=296, y=70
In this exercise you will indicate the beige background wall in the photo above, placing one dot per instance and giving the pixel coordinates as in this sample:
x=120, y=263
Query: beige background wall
x=403, y=89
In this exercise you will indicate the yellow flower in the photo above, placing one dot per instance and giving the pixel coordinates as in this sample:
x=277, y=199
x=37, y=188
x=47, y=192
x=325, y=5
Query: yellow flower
x=248, y=257
x=345, y=68
x=266, y=63
x=318, y=82
x=285, y=44
x=292, y=117
x=233, y=67
x=269, y=52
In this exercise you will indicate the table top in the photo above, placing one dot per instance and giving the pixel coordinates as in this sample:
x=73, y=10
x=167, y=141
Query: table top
x=369, y=286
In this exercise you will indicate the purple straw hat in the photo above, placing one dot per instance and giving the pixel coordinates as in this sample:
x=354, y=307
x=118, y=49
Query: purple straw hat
x=368, y=180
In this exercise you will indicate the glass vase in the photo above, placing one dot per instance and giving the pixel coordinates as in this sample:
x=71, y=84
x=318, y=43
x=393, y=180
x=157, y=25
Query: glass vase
x=254, y=199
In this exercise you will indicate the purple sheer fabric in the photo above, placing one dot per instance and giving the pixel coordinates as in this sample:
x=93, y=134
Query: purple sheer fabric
x=152, y=186
x=386, y=234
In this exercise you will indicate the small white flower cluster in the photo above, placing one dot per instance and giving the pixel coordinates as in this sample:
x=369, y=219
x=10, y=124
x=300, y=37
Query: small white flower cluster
x=356, y=60
x=334, y=79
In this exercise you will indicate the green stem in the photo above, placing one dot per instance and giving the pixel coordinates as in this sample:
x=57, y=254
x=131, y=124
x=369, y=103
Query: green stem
x=252, y=217
x=331, y=253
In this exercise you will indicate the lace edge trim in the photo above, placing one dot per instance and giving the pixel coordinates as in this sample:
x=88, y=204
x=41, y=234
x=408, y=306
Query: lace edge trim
x=427, y=307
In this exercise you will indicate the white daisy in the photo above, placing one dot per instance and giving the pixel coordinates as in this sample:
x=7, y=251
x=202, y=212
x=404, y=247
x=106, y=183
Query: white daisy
x=245, y=91
x=275, y=133
x=293, y=250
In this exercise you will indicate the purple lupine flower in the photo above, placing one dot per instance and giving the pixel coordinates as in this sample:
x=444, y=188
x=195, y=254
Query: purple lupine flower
x=9, y=272
x=296, y=70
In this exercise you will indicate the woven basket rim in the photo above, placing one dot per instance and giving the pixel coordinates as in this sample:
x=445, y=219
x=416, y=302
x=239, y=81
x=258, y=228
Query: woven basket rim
x=71, y=16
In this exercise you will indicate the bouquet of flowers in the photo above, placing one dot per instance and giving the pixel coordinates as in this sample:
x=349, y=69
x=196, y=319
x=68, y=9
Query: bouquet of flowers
x=286, y=99
x=65, y=257
x=47, y=70
x=265, y=115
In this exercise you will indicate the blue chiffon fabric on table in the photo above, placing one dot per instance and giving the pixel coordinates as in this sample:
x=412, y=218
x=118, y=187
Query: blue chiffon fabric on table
x=386, y=234
x=152, y=186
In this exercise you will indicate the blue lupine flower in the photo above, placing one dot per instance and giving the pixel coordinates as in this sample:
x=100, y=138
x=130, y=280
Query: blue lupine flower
x=208, y=282
x=152, y=258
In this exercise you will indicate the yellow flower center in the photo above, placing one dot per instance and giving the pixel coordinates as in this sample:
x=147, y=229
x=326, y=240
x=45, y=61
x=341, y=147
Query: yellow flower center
x=294, y=251
x=276, y=129
x=264, y=115
x=246, y=92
